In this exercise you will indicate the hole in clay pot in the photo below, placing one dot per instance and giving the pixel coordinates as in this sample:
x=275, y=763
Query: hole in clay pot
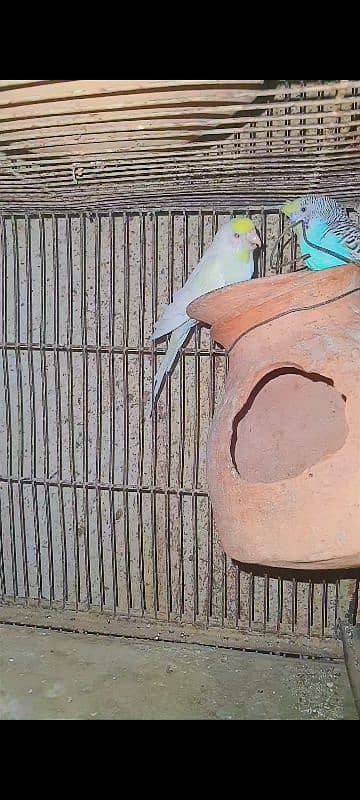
x=291, y=421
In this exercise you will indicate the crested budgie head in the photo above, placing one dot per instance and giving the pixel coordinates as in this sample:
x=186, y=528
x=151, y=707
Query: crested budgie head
x=239, y=235
x=312, y=207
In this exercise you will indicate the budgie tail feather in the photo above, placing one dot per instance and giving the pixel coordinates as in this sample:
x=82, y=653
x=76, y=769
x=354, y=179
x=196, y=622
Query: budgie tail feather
x=177, y=340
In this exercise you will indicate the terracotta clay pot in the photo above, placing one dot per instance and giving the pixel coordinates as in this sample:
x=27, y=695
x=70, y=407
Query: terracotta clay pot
x=284, y=447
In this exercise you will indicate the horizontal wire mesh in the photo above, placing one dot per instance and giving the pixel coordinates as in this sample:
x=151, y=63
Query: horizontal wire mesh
x=99, y=509
x=97, y=144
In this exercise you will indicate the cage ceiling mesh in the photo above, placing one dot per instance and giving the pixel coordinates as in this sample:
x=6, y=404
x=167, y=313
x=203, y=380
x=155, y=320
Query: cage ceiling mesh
x=82, y=144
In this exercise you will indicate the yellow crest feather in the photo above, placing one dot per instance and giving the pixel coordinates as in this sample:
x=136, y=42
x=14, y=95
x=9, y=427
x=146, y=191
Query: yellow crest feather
x=242, y=225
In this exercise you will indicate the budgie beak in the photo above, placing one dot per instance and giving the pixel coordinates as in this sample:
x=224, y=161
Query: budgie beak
x=255, y=239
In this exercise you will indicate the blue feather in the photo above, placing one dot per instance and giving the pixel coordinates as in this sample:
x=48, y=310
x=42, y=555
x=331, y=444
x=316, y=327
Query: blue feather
x=319, y=235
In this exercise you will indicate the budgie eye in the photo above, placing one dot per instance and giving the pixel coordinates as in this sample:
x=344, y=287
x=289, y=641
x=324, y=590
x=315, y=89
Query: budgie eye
x=303, y=209
x=237, y=235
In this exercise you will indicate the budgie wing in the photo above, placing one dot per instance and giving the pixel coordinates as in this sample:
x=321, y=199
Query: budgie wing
x=206, y=277
x=343, y=240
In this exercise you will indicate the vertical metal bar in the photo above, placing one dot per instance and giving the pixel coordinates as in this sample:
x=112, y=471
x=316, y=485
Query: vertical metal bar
x=293, y=251
x=210, y=603
x=212, y=390
x=269, y=135
x=9, y=444
x=70, y=390
x=45, y=414
x=262, y=255
x=112, y=414
x=99, y=410
x=224, y=588
x=288, y=123
x=232, y=214
x=320, y=130
x=169, y=427
x=303, y=121
x=337, y=599
x=33, y=427
x=20, y=405
x=266, y=602
x=280, y=604
x=126, y=407
x=238, y=582
x=58, y=400
x=310, y=607
x=155, y=262
x=181, y=574
x=196, y=441
x=294, y=605
x=140, y=531
x=251, y=600
x=2, y=565
x=224, y=557
x=212, y=357
x=85, y=422
x=280, y=248
x=324, y=607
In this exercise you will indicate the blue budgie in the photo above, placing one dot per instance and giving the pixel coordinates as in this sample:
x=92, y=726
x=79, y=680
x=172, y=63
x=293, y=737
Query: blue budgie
x=327, y=237
x=229, y=259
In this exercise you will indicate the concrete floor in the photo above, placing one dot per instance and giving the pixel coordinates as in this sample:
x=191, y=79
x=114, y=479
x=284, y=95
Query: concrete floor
x=63, y=676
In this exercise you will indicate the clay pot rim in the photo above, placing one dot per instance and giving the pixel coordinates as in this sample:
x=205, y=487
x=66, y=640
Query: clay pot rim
x=235, y=309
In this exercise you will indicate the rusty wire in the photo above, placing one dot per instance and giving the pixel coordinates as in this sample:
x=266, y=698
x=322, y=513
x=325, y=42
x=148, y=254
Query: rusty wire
x=97, y=511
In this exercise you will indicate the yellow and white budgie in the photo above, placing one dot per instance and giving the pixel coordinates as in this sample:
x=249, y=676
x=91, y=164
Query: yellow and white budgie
x=229, y=260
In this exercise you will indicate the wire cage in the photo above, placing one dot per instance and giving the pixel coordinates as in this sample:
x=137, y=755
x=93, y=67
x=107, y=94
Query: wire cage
x=110, y=192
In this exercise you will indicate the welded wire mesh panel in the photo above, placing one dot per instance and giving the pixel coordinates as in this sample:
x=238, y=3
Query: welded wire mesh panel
x=91, y=144
x=101, y=509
